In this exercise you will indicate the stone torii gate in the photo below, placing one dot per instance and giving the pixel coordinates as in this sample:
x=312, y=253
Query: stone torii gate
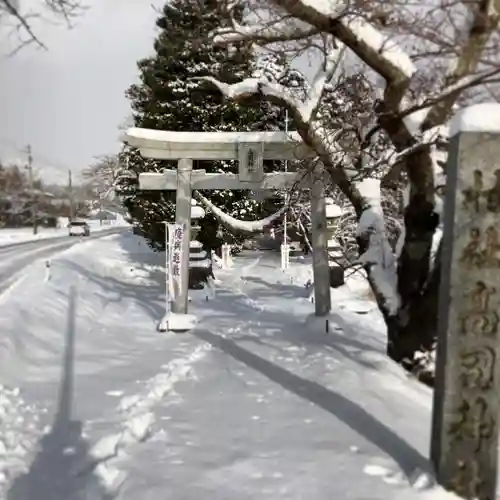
x=250, y=149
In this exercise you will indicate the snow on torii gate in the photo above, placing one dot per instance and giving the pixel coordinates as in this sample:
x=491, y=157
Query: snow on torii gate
x=250, y=149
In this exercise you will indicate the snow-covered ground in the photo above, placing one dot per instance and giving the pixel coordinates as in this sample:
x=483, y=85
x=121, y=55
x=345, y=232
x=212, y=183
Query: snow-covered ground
x=20, y=235
x=259, y=402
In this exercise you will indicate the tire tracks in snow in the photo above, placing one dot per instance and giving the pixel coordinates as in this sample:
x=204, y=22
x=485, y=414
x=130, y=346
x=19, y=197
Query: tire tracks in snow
x=137, y=421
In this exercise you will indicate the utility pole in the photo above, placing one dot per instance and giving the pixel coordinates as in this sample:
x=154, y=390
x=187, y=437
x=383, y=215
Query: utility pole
x=32, y=189
x=285, y=249
x=70, y=196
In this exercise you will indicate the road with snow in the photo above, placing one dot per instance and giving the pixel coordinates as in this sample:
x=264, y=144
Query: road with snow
x=16, y=257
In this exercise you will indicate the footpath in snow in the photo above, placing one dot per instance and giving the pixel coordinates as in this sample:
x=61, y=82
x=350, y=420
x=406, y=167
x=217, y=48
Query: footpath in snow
x=257, y=402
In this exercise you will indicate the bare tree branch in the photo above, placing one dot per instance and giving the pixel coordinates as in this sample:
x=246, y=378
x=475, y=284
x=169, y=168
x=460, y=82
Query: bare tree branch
x=485, y=19
x=62, y=9
x=314, y=135
x=13, y=10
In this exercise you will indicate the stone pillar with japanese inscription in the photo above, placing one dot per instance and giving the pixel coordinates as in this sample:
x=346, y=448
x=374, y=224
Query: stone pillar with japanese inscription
x=467, y=388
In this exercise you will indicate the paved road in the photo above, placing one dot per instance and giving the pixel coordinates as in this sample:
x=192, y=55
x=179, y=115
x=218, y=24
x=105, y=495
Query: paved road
x=13, y=259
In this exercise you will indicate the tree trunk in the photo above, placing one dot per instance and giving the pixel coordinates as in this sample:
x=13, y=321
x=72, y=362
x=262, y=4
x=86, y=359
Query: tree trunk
x=414, y=327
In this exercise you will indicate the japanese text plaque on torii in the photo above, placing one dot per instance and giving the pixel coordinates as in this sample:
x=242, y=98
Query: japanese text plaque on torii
x=250, y=162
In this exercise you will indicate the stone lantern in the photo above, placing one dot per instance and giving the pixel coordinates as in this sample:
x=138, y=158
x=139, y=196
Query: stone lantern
x=199, y=260
x=335, y=256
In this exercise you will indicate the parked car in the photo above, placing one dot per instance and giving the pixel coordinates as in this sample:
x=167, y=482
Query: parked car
x=78, y=228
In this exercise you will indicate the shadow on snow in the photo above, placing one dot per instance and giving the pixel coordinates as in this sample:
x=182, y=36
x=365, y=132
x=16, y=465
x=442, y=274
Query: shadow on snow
x=358, y=419
x=52, y=474
x=229, y=307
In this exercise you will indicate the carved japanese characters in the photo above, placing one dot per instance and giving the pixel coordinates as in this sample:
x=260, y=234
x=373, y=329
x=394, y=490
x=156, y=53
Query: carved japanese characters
x=474, y=422
x=482, y=250
x=472, y=254
x=478, y=318
x=480, y=200
x=467, y=480
x=473, y=194
x=493, y=195
x=478, y=368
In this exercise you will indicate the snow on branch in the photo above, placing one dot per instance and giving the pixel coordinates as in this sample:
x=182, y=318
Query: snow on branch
x=323, y=77
x=378, y=257
x=263, y=33
x=236, y=224
x=374, y=48
x=250, y=87
x=279, y=94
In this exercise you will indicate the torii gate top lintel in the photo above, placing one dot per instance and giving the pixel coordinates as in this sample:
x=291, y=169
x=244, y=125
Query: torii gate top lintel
x=168, y=145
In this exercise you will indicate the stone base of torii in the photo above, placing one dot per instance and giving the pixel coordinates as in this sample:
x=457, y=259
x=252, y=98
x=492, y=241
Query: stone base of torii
x=250, y=149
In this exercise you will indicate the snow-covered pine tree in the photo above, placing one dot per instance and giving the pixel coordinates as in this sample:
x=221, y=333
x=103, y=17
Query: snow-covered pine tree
x=164, y=99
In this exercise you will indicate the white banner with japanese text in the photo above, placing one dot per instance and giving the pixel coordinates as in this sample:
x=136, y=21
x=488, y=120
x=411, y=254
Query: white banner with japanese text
x=175, y=237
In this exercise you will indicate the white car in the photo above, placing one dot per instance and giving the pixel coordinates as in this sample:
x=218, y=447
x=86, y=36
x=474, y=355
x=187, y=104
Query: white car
x=78, y=228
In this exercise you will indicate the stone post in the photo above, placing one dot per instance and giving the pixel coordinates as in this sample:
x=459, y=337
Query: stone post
x=467, y=387
x=321, y=270
x=285, y=255
x=226, y=256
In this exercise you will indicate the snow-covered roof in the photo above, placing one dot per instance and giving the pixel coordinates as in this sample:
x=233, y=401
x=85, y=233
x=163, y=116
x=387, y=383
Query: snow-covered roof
x=484, y=117
x=332, y=209
x=370, y=190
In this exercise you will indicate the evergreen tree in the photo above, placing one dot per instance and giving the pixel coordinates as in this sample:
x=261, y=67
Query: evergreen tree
x=166, y=99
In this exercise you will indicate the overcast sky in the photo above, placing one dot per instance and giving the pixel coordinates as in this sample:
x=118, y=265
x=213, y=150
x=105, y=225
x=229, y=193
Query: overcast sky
x=68, y=102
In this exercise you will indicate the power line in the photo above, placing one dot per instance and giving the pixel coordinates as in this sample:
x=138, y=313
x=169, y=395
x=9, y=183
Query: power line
x=56, y=166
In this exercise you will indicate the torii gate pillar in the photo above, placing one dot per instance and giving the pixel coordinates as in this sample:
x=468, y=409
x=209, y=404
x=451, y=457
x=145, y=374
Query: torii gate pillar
x=183, y=216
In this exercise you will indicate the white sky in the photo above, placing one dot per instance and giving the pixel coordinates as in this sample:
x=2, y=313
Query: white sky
x=68, y=102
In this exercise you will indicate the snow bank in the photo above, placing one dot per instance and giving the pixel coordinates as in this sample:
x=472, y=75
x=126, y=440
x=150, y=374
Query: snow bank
x=18, y=419
x=74, y=343
x=484, y=117
x=102, y=271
